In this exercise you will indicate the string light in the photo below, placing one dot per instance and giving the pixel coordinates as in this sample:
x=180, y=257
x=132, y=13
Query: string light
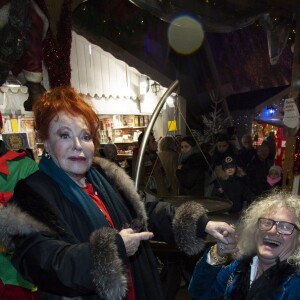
x=296, y=168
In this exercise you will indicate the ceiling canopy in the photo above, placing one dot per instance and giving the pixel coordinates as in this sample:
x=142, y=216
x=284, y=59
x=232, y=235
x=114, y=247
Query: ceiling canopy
x=220, y=15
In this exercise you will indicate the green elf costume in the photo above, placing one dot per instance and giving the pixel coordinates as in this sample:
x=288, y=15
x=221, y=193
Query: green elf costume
x=13, y=167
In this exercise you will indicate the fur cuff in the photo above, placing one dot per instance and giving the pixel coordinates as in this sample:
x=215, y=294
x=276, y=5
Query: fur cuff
x=185, y=227
x=109, y=274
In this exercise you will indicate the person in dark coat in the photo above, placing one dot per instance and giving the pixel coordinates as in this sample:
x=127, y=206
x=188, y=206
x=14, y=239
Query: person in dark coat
x=258, y=170
x=153, y=176
x=222, y=149
x=169, y=159
x=231, y=183
x=192, y=168
x=247, y=153
x=82, y=232
x=110, y=152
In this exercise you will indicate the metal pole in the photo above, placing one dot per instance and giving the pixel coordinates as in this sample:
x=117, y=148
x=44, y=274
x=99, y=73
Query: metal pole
x=153, y=118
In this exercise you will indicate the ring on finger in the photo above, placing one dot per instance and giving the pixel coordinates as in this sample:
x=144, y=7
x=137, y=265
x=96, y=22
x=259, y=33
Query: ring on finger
x=221, y=246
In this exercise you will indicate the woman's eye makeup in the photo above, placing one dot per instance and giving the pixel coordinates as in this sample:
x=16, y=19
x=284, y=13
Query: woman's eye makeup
x=64, y=135
x=87, y=137
x=84, y=136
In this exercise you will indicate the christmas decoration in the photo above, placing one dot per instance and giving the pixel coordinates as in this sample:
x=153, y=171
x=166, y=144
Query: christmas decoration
x=296, y=168
x=14, y=35
x=213, y=123
x=57, y=50
x=117, y=20
x=23, y=28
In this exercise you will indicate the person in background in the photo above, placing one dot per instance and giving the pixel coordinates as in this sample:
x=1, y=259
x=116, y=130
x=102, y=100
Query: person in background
x=222, y=149
x=153, y=177
x=258, y=170
x=110, y=151
x=271, y=140
x=169, y=159
x=231, y=183
x=13, y=167
x=178, y=138
x=192, y=168
x=247, y=153
x=232, y=138
x=274, y=177
x=80, y=232
x=136, y=149
x=267, y=263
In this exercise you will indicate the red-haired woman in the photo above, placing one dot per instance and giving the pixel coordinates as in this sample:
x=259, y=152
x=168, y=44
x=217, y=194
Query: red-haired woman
x=76, y=231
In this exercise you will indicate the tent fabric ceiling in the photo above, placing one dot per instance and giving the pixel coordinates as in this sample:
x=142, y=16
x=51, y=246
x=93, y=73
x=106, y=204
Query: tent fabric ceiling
x=102, y=69
x=249, y=100
x=219, y=15
x=97, y=73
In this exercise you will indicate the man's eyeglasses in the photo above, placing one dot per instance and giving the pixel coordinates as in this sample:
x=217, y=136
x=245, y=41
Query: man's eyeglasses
x=282, y=227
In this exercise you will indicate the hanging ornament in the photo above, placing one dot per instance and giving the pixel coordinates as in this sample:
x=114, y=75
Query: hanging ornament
x=296, y=168
x=57, y=49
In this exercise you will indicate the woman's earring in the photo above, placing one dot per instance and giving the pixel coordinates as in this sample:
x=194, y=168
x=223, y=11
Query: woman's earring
x=47, y=154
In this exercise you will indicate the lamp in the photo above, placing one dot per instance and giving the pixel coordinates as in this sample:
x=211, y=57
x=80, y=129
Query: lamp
x=13, y=84
x=271, y=110
x=296, y=83
x=155, y=87
x=12, y=81
x=170, y=101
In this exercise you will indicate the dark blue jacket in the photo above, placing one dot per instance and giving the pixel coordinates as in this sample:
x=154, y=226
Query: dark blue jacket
x=217, y=282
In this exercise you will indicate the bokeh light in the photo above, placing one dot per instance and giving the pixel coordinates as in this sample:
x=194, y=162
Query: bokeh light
x=185, y=34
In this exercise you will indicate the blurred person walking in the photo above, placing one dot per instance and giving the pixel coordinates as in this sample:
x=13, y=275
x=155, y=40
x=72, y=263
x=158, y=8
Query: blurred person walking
x=169, y=159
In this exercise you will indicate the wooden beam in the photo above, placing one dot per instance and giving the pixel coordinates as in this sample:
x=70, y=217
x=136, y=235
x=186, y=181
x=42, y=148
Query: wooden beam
x=288, y=176
x=54, y=11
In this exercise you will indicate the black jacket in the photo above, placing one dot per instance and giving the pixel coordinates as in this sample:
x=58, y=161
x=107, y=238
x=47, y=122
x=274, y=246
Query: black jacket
x=192, y=174
x=235, y=188
x=55, y=248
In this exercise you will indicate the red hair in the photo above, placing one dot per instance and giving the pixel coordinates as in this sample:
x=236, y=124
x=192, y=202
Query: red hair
x=63, y=99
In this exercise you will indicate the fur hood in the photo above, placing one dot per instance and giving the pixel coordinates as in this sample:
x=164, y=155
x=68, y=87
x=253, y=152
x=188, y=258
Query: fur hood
x=118, y=177
x=221, y=174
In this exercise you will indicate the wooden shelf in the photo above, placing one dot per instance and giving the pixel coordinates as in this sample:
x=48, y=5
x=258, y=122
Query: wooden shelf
x=127, y=127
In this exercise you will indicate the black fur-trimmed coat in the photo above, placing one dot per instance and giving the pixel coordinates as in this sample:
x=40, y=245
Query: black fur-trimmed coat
x=56, y=249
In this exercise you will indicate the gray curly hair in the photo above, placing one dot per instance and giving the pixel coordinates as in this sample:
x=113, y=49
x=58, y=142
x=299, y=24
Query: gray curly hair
x=247, y=226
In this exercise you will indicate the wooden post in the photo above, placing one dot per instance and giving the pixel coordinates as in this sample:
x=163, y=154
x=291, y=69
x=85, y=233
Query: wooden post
x=288, y=177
